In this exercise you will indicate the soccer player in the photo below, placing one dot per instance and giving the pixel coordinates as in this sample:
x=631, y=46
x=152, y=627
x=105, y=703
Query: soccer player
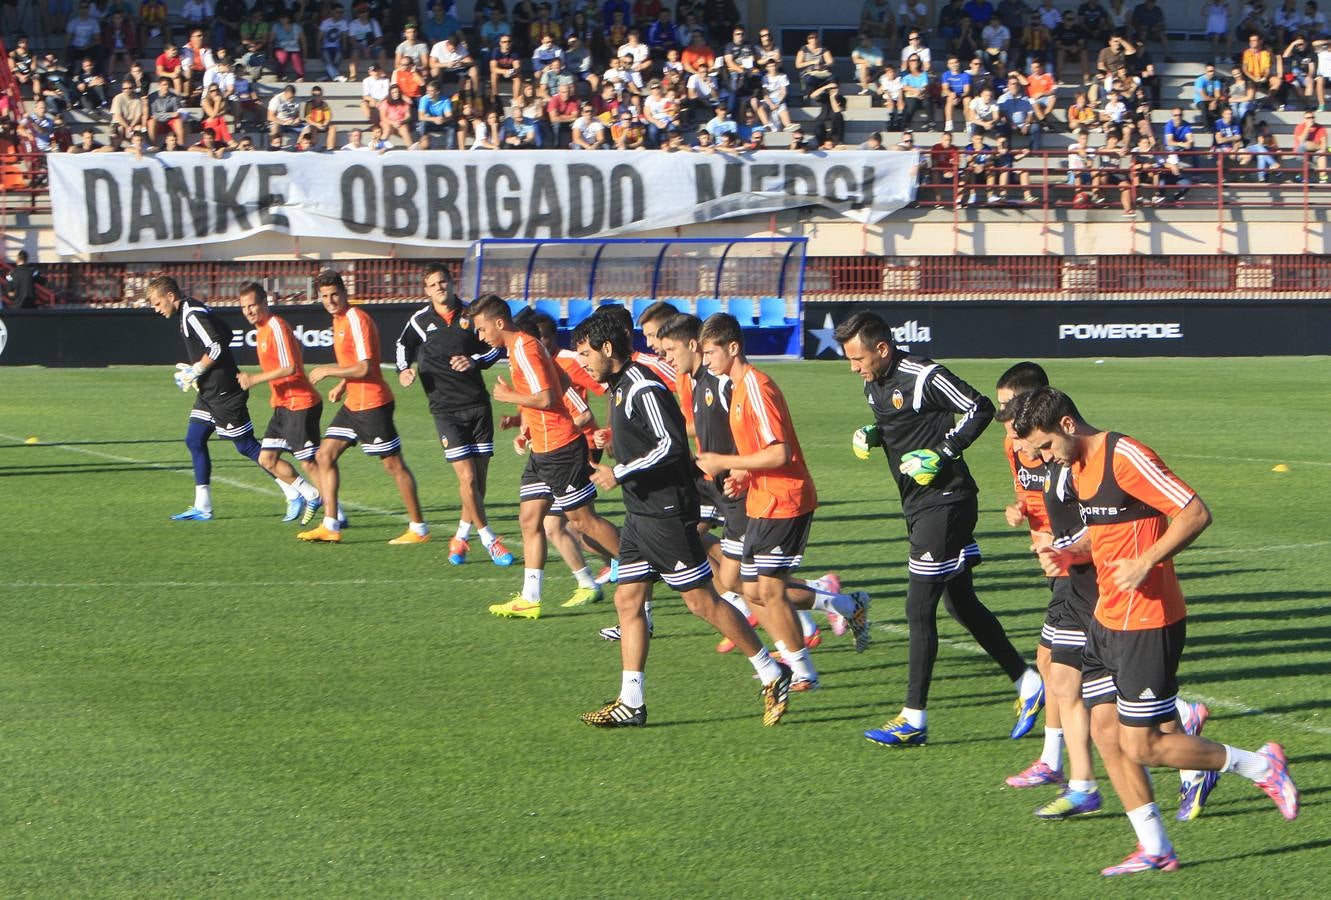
x=449, y=359
x=705, y=399
x=558, y=471
x=1140, y=515
x=222, y=404
x=781, y=498
x=915, y=402
x=659, y=540
x=297, y=406
x=650, y=321
x=366, y=416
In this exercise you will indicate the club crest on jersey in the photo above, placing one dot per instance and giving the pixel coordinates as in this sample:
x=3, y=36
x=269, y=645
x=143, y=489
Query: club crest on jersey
x=898, y=400
x=444, y=441
x=619, y=397
x=464, y=323
x=707, y=397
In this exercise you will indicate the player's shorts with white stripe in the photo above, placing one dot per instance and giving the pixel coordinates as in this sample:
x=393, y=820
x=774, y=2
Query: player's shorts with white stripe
x=229, y=413
x=1071, y=611
x=942, y=540
x=296, y=430
x=669, y=550
x=373, y=429
x=774, y=547
x=563, y=475
x=710, y=501
x=736, y=514
x=1137, y=670
x=465, y=433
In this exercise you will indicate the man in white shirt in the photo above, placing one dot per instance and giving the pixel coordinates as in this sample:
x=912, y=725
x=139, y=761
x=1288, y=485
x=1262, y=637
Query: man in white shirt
x=588, y=131
x=332, y=42
x=640, y=52
x=84, y=35
x=916, y=47
x=450, y=60
x=374, y=90
x=366, y=37
x=982, y=113
x=412, y=47
x=994, y=41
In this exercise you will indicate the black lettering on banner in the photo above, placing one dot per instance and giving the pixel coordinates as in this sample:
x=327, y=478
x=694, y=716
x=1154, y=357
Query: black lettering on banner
x=358, y=183
x=544, y=210
x=141, y=218
x=800, y=181
x=867, y=179
x=224, y=197
x=178, y=193
x=511, y=203
x=473, y=205
x=618, y=175
x=841, y=174
x=441, y=202
x=93, y=181
x=730, y=182
x=270, y=200
x=758, y=172
x=399, y=197
x=585, y=220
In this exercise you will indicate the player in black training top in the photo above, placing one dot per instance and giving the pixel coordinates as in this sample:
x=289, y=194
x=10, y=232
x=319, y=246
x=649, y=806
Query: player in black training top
x=222, y=405
x=916, y=404
x=449, y=357
x=659, y=539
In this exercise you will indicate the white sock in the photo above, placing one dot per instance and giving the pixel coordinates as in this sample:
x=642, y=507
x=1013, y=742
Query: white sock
x=305, y=489
x=585, y=580
x=531, y=584
x=1084, y=787
x=630, y=689
x=1052, y=756
x=826, y=601
x=1252, y=766
x=1028, y=683
x=766, y=667
x=737, y=601
x=464, y=530
x=288, y=490
x=916, y=717
x=488, y=536
x=1150, y=829
x=420, y=528
x=203, y=498
x=798, y=660
x=332, y=524
x=341, y=513
x=807, y=625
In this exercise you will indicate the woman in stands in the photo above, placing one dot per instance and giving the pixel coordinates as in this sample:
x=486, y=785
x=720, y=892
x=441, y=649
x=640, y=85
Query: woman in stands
x=286, y=45
x=813, y=62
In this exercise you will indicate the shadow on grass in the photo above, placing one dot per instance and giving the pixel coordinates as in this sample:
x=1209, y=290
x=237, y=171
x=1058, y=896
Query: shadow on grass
x=174, y=440
x=1264, y=852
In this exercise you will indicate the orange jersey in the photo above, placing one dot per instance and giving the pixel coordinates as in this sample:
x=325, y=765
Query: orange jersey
x=1126, y=501
x=685, y=394
x=580, y=381
x=760, y=418
x=1028, y=478
x=534, y=371
x=660, y=368
x=278, y=348
x=356, y=338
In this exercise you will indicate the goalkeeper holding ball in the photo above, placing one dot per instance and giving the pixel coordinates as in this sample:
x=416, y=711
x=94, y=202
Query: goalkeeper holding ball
x=924, y=418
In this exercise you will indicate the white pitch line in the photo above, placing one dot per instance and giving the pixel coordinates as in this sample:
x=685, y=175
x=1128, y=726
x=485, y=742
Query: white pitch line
x=1227, y=703
x=1229, y=551
x=1289, y=462
x=351, y=582
x=165, y=467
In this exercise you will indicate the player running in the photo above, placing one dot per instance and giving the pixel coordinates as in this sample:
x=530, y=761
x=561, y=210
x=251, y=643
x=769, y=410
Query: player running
x=915, y=402
x=558, y=472
x=366, y=416
x=222, y=404
x=297, y=406
x=449, y=359
x=781, y=498
x=659, y=540
x=1140, y=515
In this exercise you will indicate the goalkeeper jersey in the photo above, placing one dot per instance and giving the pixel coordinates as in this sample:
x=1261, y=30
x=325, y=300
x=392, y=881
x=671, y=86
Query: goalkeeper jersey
x=206, y=335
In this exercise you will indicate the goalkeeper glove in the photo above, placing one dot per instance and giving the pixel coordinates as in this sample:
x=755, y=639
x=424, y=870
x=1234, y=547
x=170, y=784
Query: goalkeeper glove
x=187, y=376
x=865, y=439
x=922, y=465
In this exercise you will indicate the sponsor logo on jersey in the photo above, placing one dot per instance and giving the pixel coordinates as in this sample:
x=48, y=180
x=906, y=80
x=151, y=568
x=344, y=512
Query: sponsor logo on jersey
x=619, y=397
x=1117, y=331
x=1027, y=478
x=707, y=397
x=898, y=400
x=444, y=441
x=308, y=337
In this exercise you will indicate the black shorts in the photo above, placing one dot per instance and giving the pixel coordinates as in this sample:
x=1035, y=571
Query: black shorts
x=229, y=413
x=373, y=429
x=942, y=540
x=1138, y=670
x=710, y=501
x=1071, y=610
x=563, y=476
x=466, y=432
x=774, y=547
x=736, y=513
x=296, y=430
x=670, y=550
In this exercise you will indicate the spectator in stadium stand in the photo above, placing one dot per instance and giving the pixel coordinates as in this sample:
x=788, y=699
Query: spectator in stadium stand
x=227, y=18
x=740, y=59
x=208, y=143
x=440, y=22
x=560, y=114
x=411, y=47
x=317, y=119
x=980, y=12
x=129, y=112
x=1286, y=22
x=1299, y=64
x=83, y=34
x=954, y=91
x=1041, y=90
x=533, y=105
x=995, y=40
x=486, y=133
x=915, y=46
x=287, y=43
x=878, y=21
x=982, y=115
x=589, y=132
x=773, y=102
x=544, y=24
x=1310, y=140
x=196, y=57
x=90, y=89
x=873, y=142
x=518, y=131
x=1148, y=21
x=214, y=109
x=494, y=27
x=119, y=42
x=578, y=62
x=1253, y=21
x=1262, y=67
x=1228, y=134
x=395, y=116
x=87, y=142
x=1314, y=22
x=468, y=95
x=20, y=286
x=813, y=63
x=1113, y=57
x=867, y=58
x=284, y=116
x=450, y=59
x=1069, y=41
x=545, y=52
x=640, y=53
x=698, y=58
x=830, y=125
x=197, y=14
x=722, y=16
x=1242, y=95
x=434, y=115
x=23, y=64
x=374, y=90
x=165, y=113
x=1019, y=115
x=1178, y=133
x=505, y=65
x=365, y=36
x=552, y=76
x=410, y=81
x=152, y=19
x=333, y=42
x=1208, y=96
x=915, y=92
x=720, y=123
x=646, y=11
x=661, y=35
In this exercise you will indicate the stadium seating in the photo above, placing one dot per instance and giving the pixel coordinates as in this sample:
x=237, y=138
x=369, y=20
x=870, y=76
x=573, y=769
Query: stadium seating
x=552, y=308
x=708, y=306
x=771, y=312
x=640, y=304
x=578, y=310
x=742, y=308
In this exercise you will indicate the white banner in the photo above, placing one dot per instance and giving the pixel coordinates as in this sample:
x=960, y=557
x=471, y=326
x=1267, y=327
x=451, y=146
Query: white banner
x=106, y=202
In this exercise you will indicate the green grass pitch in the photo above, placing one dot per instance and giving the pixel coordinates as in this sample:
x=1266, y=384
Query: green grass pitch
x=217, y=710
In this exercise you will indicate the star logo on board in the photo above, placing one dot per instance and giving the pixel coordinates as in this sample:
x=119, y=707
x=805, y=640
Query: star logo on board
x=826, y=338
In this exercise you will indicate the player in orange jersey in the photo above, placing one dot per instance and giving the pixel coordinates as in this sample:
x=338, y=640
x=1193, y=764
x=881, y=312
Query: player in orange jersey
x=1139, y=516
x=769, y=461
x=558, y=472
x=366, y=416
x=297, y=406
